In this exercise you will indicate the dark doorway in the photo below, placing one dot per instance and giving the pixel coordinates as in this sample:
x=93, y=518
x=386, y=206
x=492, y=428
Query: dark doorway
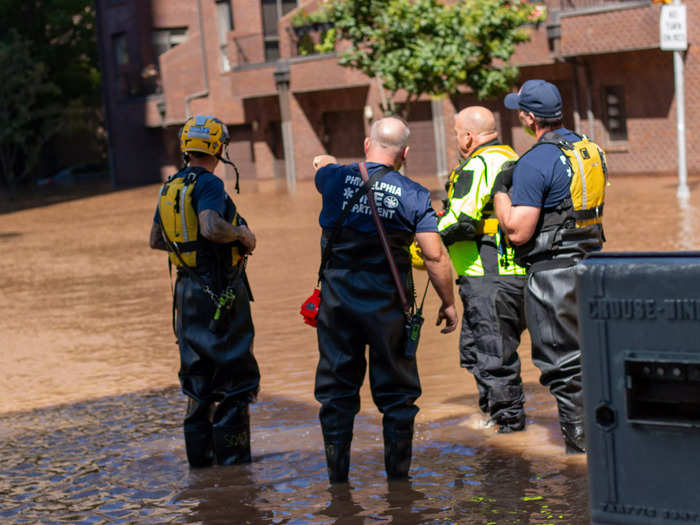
x=343, y=135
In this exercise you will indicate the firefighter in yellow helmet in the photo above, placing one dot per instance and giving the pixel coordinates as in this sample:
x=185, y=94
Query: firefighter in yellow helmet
x=197, y=222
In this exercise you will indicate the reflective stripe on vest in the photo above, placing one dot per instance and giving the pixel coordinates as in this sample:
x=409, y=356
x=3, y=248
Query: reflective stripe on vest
x=181, y=223
x=483, y=166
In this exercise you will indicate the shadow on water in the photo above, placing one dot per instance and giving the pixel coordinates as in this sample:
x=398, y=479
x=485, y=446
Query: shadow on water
x=120, y=459
x=31, y=196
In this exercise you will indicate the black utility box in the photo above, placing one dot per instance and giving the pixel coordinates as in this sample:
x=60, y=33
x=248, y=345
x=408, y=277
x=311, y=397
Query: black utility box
x=640, y=330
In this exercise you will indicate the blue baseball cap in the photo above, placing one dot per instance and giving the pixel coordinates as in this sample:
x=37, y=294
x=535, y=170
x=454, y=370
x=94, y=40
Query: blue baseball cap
x=538, y=97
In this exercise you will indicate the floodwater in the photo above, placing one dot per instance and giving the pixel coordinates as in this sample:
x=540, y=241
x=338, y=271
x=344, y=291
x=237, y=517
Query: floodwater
x=90, y=409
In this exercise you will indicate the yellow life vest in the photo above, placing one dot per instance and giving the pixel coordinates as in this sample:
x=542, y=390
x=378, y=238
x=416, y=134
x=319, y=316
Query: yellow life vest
x=180, y=223
x=581, y=212
x=588, y=180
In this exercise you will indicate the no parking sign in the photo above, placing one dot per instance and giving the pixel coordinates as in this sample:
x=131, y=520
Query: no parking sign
x=674, y=28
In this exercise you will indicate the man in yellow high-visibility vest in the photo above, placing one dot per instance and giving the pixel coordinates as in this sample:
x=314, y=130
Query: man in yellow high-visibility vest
x=490, y=283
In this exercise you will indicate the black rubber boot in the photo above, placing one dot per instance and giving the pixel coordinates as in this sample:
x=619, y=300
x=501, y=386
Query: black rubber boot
x=508, y=425
x=338, y=460
x=232, y=445
x=574, y=437
x=198, y=436
x=198, y=444
x=232, y=437
x=397, y=457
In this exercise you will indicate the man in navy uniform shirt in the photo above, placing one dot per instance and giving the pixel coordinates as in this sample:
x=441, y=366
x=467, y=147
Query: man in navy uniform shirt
x=550, y=239
x=360, y=304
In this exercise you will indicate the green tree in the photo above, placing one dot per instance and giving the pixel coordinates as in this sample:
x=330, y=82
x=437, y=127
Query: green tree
x=27, y=120
x=431, y=47
x=56, y=45
x=61, y=35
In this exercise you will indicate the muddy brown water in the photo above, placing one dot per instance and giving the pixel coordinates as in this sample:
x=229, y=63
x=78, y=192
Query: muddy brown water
x=90, y=409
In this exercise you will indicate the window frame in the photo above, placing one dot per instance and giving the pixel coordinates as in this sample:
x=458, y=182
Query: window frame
x=619, y=133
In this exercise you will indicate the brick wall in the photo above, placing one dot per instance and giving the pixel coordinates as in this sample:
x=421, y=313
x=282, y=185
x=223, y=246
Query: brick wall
x=618, y=47
x=610, y=31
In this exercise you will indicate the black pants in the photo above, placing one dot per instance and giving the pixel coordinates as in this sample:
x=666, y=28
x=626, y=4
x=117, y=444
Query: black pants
x=359, y=309
x=492, y=323
x=218, y=371
x=552, y=318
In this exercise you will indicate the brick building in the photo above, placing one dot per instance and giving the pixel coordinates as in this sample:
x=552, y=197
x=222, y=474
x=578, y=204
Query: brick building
x=164, y=60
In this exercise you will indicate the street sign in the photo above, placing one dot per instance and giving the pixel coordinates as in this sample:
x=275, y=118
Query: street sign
x=674, y=28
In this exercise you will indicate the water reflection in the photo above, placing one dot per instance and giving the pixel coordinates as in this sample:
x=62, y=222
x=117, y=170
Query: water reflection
x=84, y=325
x=120, y=459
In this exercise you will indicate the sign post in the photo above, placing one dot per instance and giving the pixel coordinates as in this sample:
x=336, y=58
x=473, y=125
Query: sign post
x=674, y=37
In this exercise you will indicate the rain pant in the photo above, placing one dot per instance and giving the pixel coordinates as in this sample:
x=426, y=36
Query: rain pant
x=492, y=323
x=360, y=307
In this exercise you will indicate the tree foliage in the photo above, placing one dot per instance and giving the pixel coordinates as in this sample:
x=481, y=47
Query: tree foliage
x=48, y=50
x=27, y=115
x=432, y=47
x=61, y=35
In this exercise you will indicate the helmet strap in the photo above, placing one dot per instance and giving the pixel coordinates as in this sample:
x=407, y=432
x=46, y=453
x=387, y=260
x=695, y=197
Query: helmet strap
x=227, y=161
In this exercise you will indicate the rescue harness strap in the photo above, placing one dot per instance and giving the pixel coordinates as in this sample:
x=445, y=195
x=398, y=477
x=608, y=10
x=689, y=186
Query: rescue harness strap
x=346, y=211
x=240, y=268
x=590, y=213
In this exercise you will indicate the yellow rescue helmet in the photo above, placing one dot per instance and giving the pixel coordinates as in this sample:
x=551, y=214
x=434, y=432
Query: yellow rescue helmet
x=416, y=256
x=204, y=134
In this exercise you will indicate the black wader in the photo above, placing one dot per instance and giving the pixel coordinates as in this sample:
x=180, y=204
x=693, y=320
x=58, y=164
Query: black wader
x=218, y=373
x=552, y=315
x=552, y=319
x=360, y=307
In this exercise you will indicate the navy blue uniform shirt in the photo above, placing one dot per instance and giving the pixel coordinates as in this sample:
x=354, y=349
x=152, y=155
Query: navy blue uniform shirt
x=403, y=204
x=542, y=177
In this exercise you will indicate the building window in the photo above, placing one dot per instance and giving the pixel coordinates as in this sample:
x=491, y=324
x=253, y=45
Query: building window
x=615, y=115
x=126, y=80
x=121, y=52
x=167, y=38
x=272, y=11
x=224, y=21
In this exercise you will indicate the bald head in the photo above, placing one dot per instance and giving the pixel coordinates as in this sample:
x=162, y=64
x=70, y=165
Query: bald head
x=474, y=126
x=388, y=141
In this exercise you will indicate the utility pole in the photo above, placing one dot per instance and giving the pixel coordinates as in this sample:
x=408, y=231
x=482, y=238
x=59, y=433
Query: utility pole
x=282, y=78
x=439, y=133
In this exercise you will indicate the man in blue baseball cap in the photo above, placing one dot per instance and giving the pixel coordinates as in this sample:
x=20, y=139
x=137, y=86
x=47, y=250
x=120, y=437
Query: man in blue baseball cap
x=552, y=230
x=538, y=97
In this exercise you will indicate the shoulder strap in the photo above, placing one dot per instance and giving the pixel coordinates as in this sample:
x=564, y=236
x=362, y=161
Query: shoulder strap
x=346, y=211
x=553, y=138
x=385, y=243
x=176, y=250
